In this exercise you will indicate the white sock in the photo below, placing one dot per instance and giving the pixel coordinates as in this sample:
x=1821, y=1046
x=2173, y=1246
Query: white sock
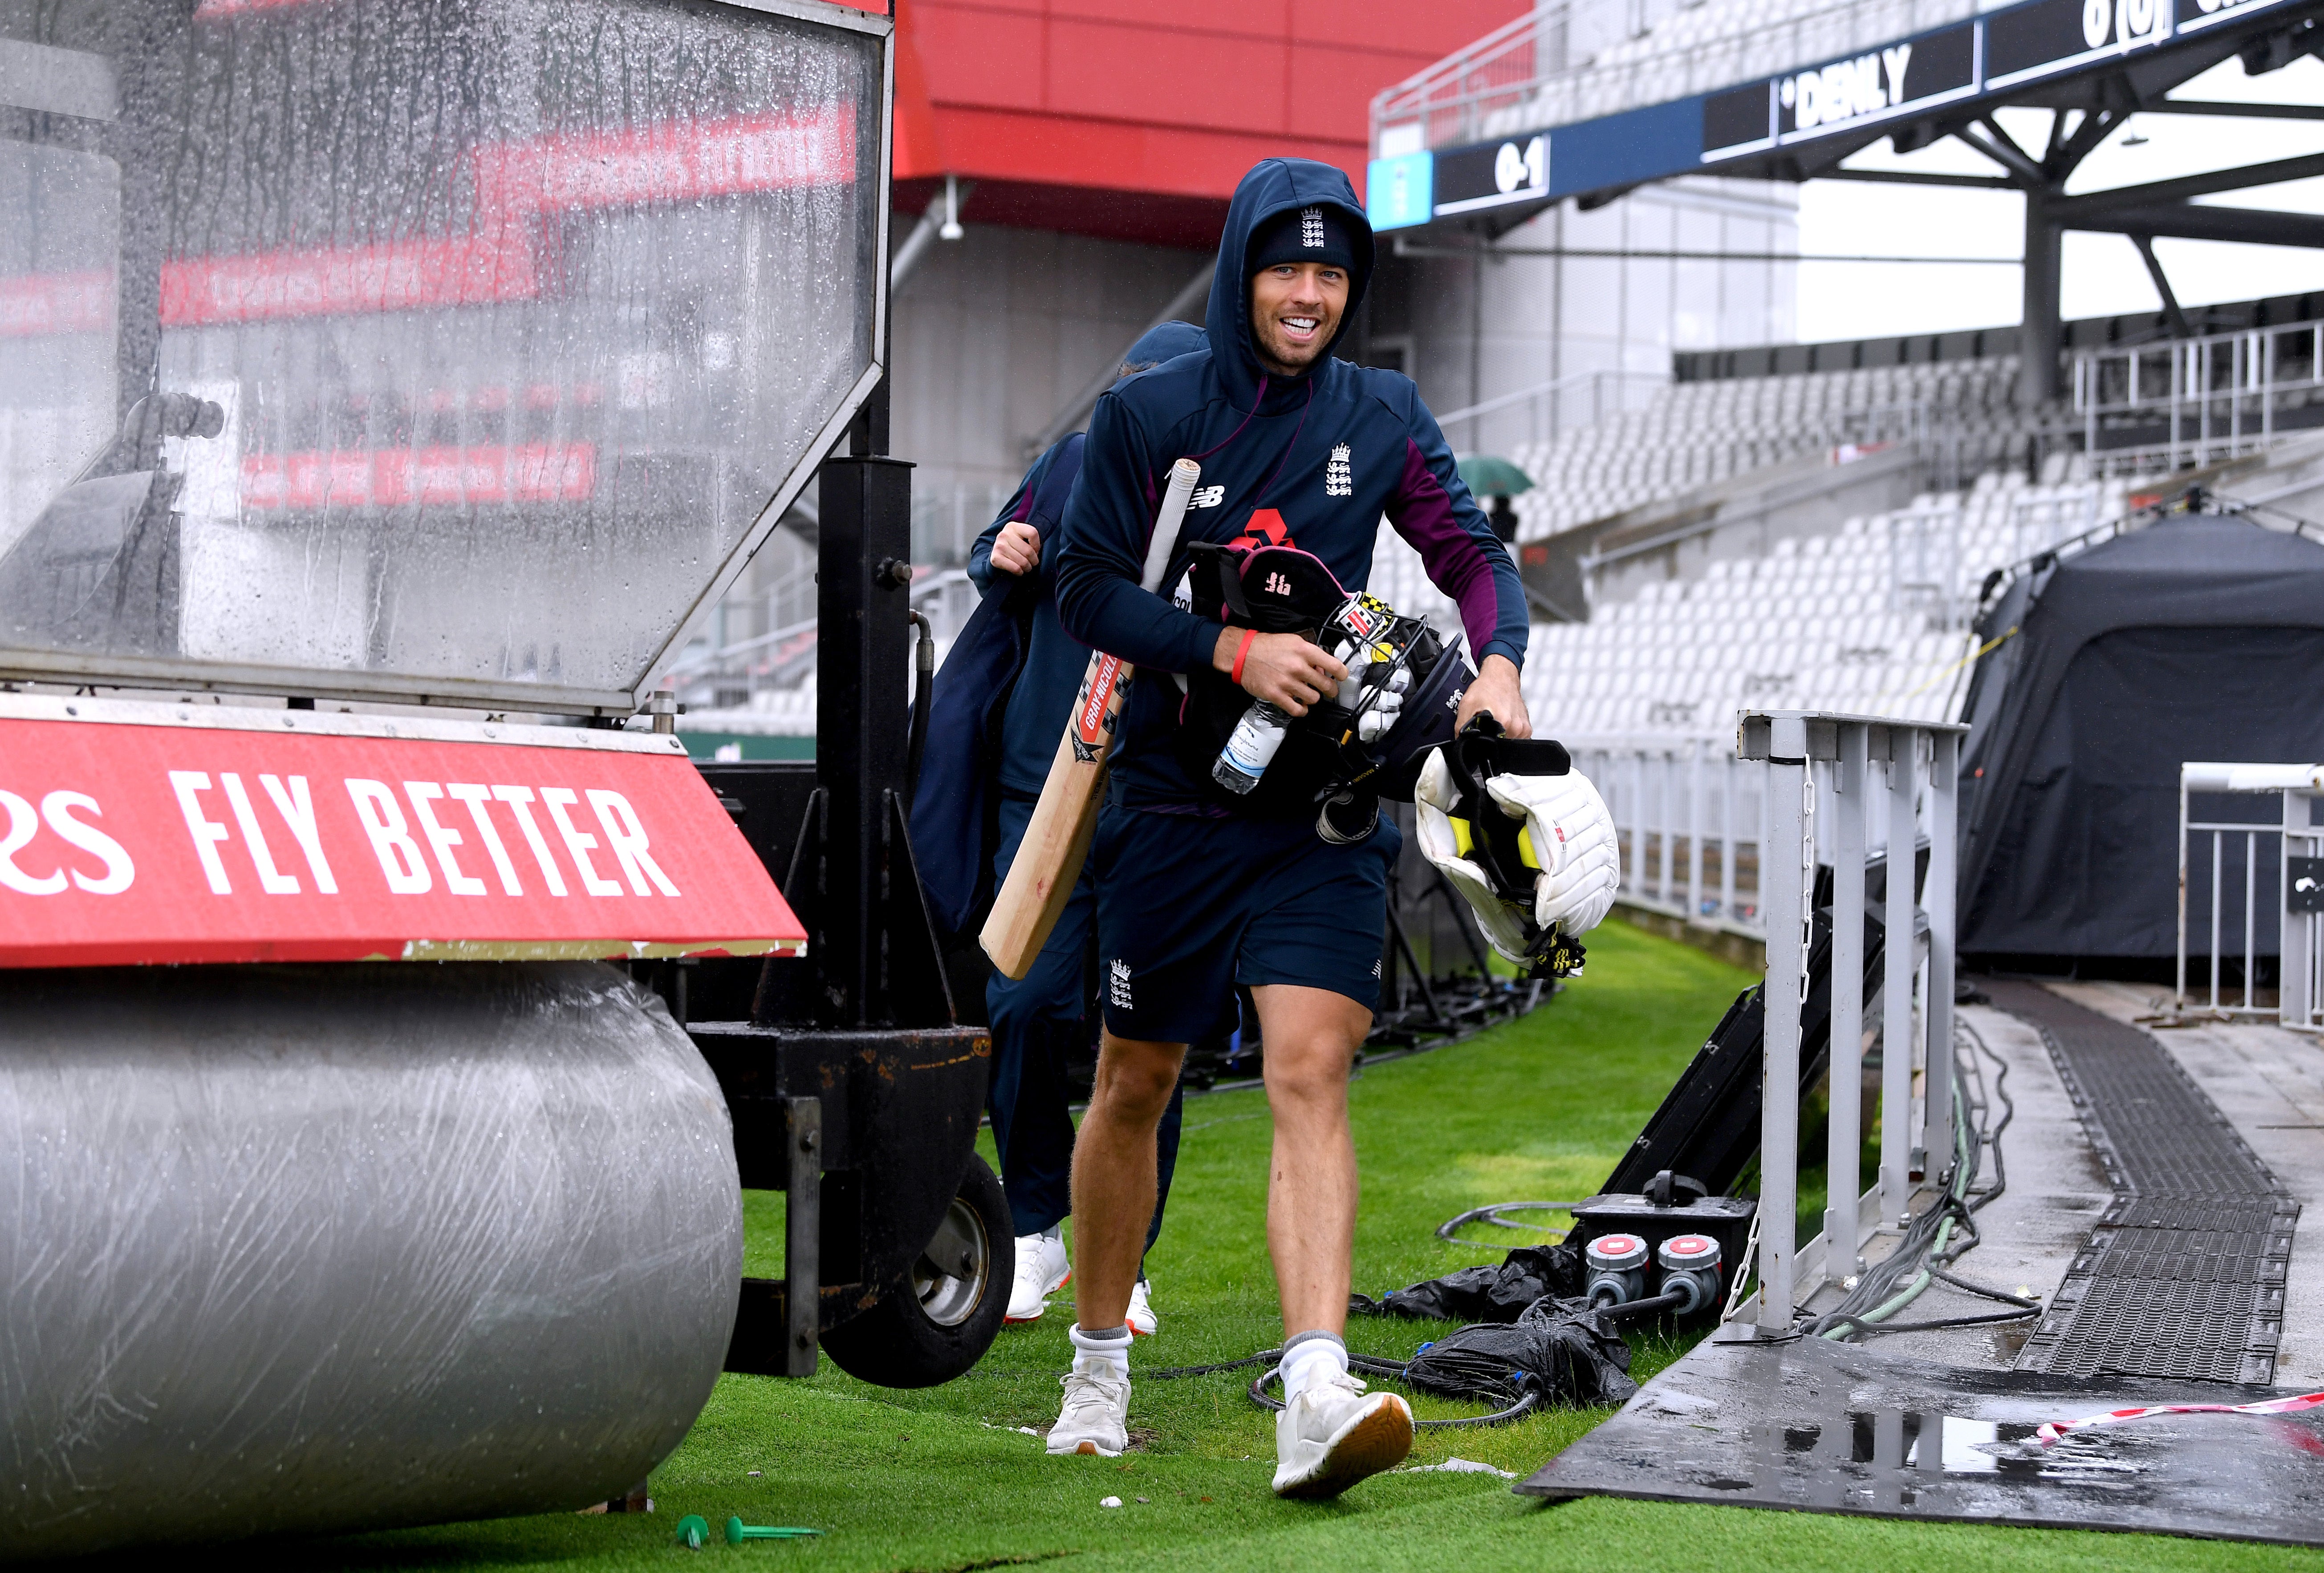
x=1310, y=1360
x=1106, y=1353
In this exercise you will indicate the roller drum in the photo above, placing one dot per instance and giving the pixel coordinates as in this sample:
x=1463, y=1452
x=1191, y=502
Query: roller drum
x=301, y=1249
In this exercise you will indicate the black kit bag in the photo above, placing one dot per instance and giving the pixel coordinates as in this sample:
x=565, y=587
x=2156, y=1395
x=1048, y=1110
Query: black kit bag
x=1281, y=589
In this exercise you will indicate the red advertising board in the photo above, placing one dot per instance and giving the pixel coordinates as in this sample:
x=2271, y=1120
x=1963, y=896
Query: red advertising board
x=37, y=304
x=137, y=832
x=389, y=477
x=517, y=185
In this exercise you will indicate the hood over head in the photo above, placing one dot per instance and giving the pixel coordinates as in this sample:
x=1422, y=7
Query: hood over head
x=1165, y=342
x=1276, y=186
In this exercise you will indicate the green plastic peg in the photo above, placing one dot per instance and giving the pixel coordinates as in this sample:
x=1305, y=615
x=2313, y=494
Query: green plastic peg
x=694, y=1530
x=737, y=1531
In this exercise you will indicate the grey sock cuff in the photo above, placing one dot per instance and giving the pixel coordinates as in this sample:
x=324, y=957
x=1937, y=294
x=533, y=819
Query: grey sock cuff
x=1104, y=1335
x=1292, y=1343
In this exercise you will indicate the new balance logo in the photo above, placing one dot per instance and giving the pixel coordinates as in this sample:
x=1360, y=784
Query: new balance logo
x=1118, y=992
x=1207, y=497
x=1311, y=228
x=1276, y=585
x=1376, y=970
x=1339, y=479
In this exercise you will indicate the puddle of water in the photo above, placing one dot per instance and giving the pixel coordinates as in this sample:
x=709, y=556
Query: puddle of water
x=1840, y=1427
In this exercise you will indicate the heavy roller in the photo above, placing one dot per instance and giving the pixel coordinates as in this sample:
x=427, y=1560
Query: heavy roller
x=390, y=1019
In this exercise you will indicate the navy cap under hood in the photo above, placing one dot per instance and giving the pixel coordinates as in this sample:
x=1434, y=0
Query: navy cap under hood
x=1272, y=186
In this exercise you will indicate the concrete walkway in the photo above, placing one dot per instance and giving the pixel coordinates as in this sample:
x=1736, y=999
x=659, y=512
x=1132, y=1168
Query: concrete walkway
x=2269, y=1083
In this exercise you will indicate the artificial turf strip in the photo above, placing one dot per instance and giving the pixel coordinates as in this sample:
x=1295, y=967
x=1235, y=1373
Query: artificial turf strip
x=943, y=1479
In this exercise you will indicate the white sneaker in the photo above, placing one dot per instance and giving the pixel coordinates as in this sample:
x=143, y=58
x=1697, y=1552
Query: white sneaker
x=1334, y=1434
x=1096, y=1416
x=1140, y=1315
x=1042, y=1269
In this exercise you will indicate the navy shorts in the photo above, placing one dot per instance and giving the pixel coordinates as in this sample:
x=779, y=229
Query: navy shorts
x=1188, y=905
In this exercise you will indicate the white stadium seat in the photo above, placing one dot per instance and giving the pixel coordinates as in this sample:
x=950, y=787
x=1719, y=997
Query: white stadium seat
x=1836, y=621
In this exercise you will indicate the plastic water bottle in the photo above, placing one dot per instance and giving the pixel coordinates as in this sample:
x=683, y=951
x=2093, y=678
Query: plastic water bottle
x=1252, y=748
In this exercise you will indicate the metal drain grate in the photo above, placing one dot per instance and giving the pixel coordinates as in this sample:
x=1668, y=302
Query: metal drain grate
x=2183, y=1276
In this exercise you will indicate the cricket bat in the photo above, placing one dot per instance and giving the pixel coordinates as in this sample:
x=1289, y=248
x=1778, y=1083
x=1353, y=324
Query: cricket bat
x=1048, y=861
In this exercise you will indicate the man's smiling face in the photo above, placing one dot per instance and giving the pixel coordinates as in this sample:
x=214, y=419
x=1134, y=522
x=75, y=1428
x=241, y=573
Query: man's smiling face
x=1294, y=309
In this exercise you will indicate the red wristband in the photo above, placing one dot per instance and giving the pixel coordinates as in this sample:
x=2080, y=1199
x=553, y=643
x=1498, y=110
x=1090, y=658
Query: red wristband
x=1242, y=650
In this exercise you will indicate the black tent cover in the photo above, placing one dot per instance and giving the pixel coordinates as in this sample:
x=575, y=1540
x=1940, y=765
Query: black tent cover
x=2199, y=636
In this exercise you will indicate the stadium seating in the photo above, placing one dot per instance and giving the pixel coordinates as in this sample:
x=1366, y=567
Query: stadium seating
x=1693, y=433
x=1871, y=619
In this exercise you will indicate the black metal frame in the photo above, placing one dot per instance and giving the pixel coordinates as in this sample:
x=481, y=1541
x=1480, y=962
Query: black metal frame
x=853, y=1086
x=2106, y=99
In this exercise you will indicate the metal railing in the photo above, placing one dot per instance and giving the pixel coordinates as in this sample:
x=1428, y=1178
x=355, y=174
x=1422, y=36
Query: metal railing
x=948, y=517
x=1557, y=395
x=2216, y=397
x=2295, y=862
x=1687, y=814
x=1571, y=59
x=1928, y=571
x=1894, y=779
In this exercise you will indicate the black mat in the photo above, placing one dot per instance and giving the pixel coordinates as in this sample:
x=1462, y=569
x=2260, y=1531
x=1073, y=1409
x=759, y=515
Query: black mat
x=1836, y=1428
x=2184, y=1274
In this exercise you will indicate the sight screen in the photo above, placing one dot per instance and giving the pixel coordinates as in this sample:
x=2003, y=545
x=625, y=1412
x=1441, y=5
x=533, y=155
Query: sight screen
x=443, y=347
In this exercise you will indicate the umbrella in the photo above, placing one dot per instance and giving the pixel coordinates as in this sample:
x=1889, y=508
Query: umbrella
x=1491, y=475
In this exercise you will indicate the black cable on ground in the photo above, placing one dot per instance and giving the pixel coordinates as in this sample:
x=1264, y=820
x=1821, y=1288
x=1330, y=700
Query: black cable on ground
x=1670, y=1300
x=1929, y=1246
x=1446, y=1231
x=1878, y=1328
x=1963, y=1284
x=1882, y=1290
x=1172, y=1372
x=1369, y=1365
x=2009, y=1112
x=1392, y=1370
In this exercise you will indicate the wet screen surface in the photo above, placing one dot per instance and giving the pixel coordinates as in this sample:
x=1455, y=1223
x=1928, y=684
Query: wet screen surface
x=457, y=346
x=1834, y=1427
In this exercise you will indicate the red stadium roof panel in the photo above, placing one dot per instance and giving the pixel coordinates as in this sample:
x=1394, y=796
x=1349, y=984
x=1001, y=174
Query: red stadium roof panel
x=1100, y=117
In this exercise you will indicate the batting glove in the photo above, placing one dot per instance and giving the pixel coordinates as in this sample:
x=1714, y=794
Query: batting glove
x=1573, y=841
x=1434, y=798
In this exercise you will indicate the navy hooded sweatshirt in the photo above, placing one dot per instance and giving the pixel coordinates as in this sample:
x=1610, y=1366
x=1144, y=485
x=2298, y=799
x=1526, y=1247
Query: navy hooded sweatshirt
x=1314, y=461
x=1054, y=665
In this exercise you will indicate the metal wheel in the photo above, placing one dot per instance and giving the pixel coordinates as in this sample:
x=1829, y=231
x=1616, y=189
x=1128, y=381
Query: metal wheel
x=945, y=1313
x=953, y=1273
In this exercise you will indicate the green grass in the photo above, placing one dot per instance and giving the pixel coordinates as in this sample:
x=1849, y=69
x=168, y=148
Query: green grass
x=942, y=1479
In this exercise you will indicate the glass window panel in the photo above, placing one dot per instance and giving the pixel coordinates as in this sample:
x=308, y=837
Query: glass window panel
x=444, y=346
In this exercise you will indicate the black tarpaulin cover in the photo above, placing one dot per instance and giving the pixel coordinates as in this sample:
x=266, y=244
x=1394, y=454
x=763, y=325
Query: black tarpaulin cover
x=1530, y=1331
x=1488, y=1293
x=2198, y=637
x=1563, y=1351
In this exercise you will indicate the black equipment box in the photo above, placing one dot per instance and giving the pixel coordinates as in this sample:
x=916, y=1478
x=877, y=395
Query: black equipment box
x=1725, y=1219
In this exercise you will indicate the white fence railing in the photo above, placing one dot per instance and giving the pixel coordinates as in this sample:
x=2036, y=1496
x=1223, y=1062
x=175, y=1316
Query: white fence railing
x=1692, y=820
x=2216, y=397
x=1688, y=813
x=2285, y=861
x=1930, y=573
x=1895, y=781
